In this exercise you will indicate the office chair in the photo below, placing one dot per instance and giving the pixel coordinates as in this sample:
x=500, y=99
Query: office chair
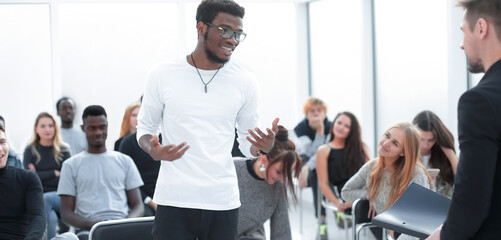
x=418, y=212
x=360, y=220
x=129, y=228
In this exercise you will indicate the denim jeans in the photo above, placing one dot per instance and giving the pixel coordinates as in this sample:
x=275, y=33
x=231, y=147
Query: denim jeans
x=52, y=208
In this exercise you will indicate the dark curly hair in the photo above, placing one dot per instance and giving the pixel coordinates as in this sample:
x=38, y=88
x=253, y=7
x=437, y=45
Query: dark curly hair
x=64, y=99
x=93, y=110
x=208, y=9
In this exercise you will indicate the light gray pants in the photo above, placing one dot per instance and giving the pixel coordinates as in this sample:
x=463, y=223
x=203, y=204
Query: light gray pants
x=66, y=236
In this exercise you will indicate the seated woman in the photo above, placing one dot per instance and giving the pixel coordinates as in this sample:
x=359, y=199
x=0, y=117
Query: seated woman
x=437, y=150
x=129, y=123
x=384, y=179
x=44, y=156
x=263, y=184
x=341, y=158
x=21, y=209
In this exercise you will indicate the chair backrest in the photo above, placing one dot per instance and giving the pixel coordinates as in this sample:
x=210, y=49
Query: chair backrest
x=360, y=220
x=418, y=212
x=129, y=228
x=360, y=210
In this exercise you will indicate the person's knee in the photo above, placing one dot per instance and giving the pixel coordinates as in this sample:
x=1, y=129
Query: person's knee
x=52, y=218
x=66, y=236
x=50, y=198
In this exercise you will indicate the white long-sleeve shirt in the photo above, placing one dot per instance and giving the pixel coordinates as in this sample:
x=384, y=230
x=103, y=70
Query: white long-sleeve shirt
x=174, y=99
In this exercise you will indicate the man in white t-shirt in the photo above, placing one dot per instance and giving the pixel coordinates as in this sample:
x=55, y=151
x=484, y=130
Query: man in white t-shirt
x=198, y=100
x=71, y=134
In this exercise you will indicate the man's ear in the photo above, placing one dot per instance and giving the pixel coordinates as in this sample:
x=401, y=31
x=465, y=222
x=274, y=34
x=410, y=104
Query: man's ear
x=82, y=126
x=201, y=29
x=482, y=27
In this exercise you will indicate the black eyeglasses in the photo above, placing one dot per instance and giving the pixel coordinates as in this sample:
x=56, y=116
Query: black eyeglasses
x=228, y=33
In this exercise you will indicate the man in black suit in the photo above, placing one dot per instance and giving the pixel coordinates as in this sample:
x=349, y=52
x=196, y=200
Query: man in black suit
x=475, y=210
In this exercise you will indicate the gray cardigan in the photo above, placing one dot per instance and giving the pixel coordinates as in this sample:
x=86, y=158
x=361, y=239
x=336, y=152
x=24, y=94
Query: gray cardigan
x=357, y=186
x=260, y=202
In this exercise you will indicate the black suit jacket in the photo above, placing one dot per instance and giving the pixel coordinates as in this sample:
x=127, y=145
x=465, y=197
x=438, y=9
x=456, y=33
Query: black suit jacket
x=475, y=210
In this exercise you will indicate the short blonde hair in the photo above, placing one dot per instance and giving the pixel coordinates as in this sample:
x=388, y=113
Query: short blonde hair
x=311, y=101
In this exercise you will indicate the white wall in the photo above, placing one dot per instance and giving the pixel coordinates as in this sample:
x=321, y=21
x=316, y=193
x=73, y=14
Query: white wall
x=25, y=69
x=418, y=65
x=99, y=53
x=412, y=60
x=107, y=49
x=337, y=59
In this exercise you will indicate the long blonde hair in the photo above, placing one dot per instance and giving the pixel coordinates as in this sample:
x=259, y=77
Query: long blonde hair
x=56, y=140
x=404, y=166
x=125, y=128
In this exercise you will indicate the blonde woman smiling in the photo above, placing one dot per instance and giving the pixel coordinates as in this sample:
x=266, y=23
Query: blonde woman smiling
x=384, y=179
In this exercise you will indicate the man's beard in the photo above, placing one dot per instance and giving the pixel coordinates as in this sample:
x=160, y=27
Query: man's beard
x=97, y=145
x=475, y=67
x=68, y=121
x=210, y=55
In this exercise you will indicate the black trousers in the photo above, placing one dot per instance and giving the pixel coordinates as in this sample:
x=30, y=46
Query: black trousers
x=175, y=223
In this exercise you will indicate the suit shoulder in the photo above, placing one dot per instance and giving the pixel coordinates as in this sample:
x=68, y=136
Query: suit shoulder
x=481, y=96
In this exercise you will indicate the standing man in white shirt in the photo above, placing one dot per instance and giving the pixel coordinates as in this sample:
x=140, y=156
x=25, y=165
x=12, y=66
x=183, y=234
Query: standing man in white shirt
x=197, y=100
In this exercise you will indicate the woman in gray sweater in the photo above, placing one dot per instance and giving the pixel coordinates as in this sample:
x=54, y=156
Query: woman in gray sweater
x=263, y=184
x=384, y=179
